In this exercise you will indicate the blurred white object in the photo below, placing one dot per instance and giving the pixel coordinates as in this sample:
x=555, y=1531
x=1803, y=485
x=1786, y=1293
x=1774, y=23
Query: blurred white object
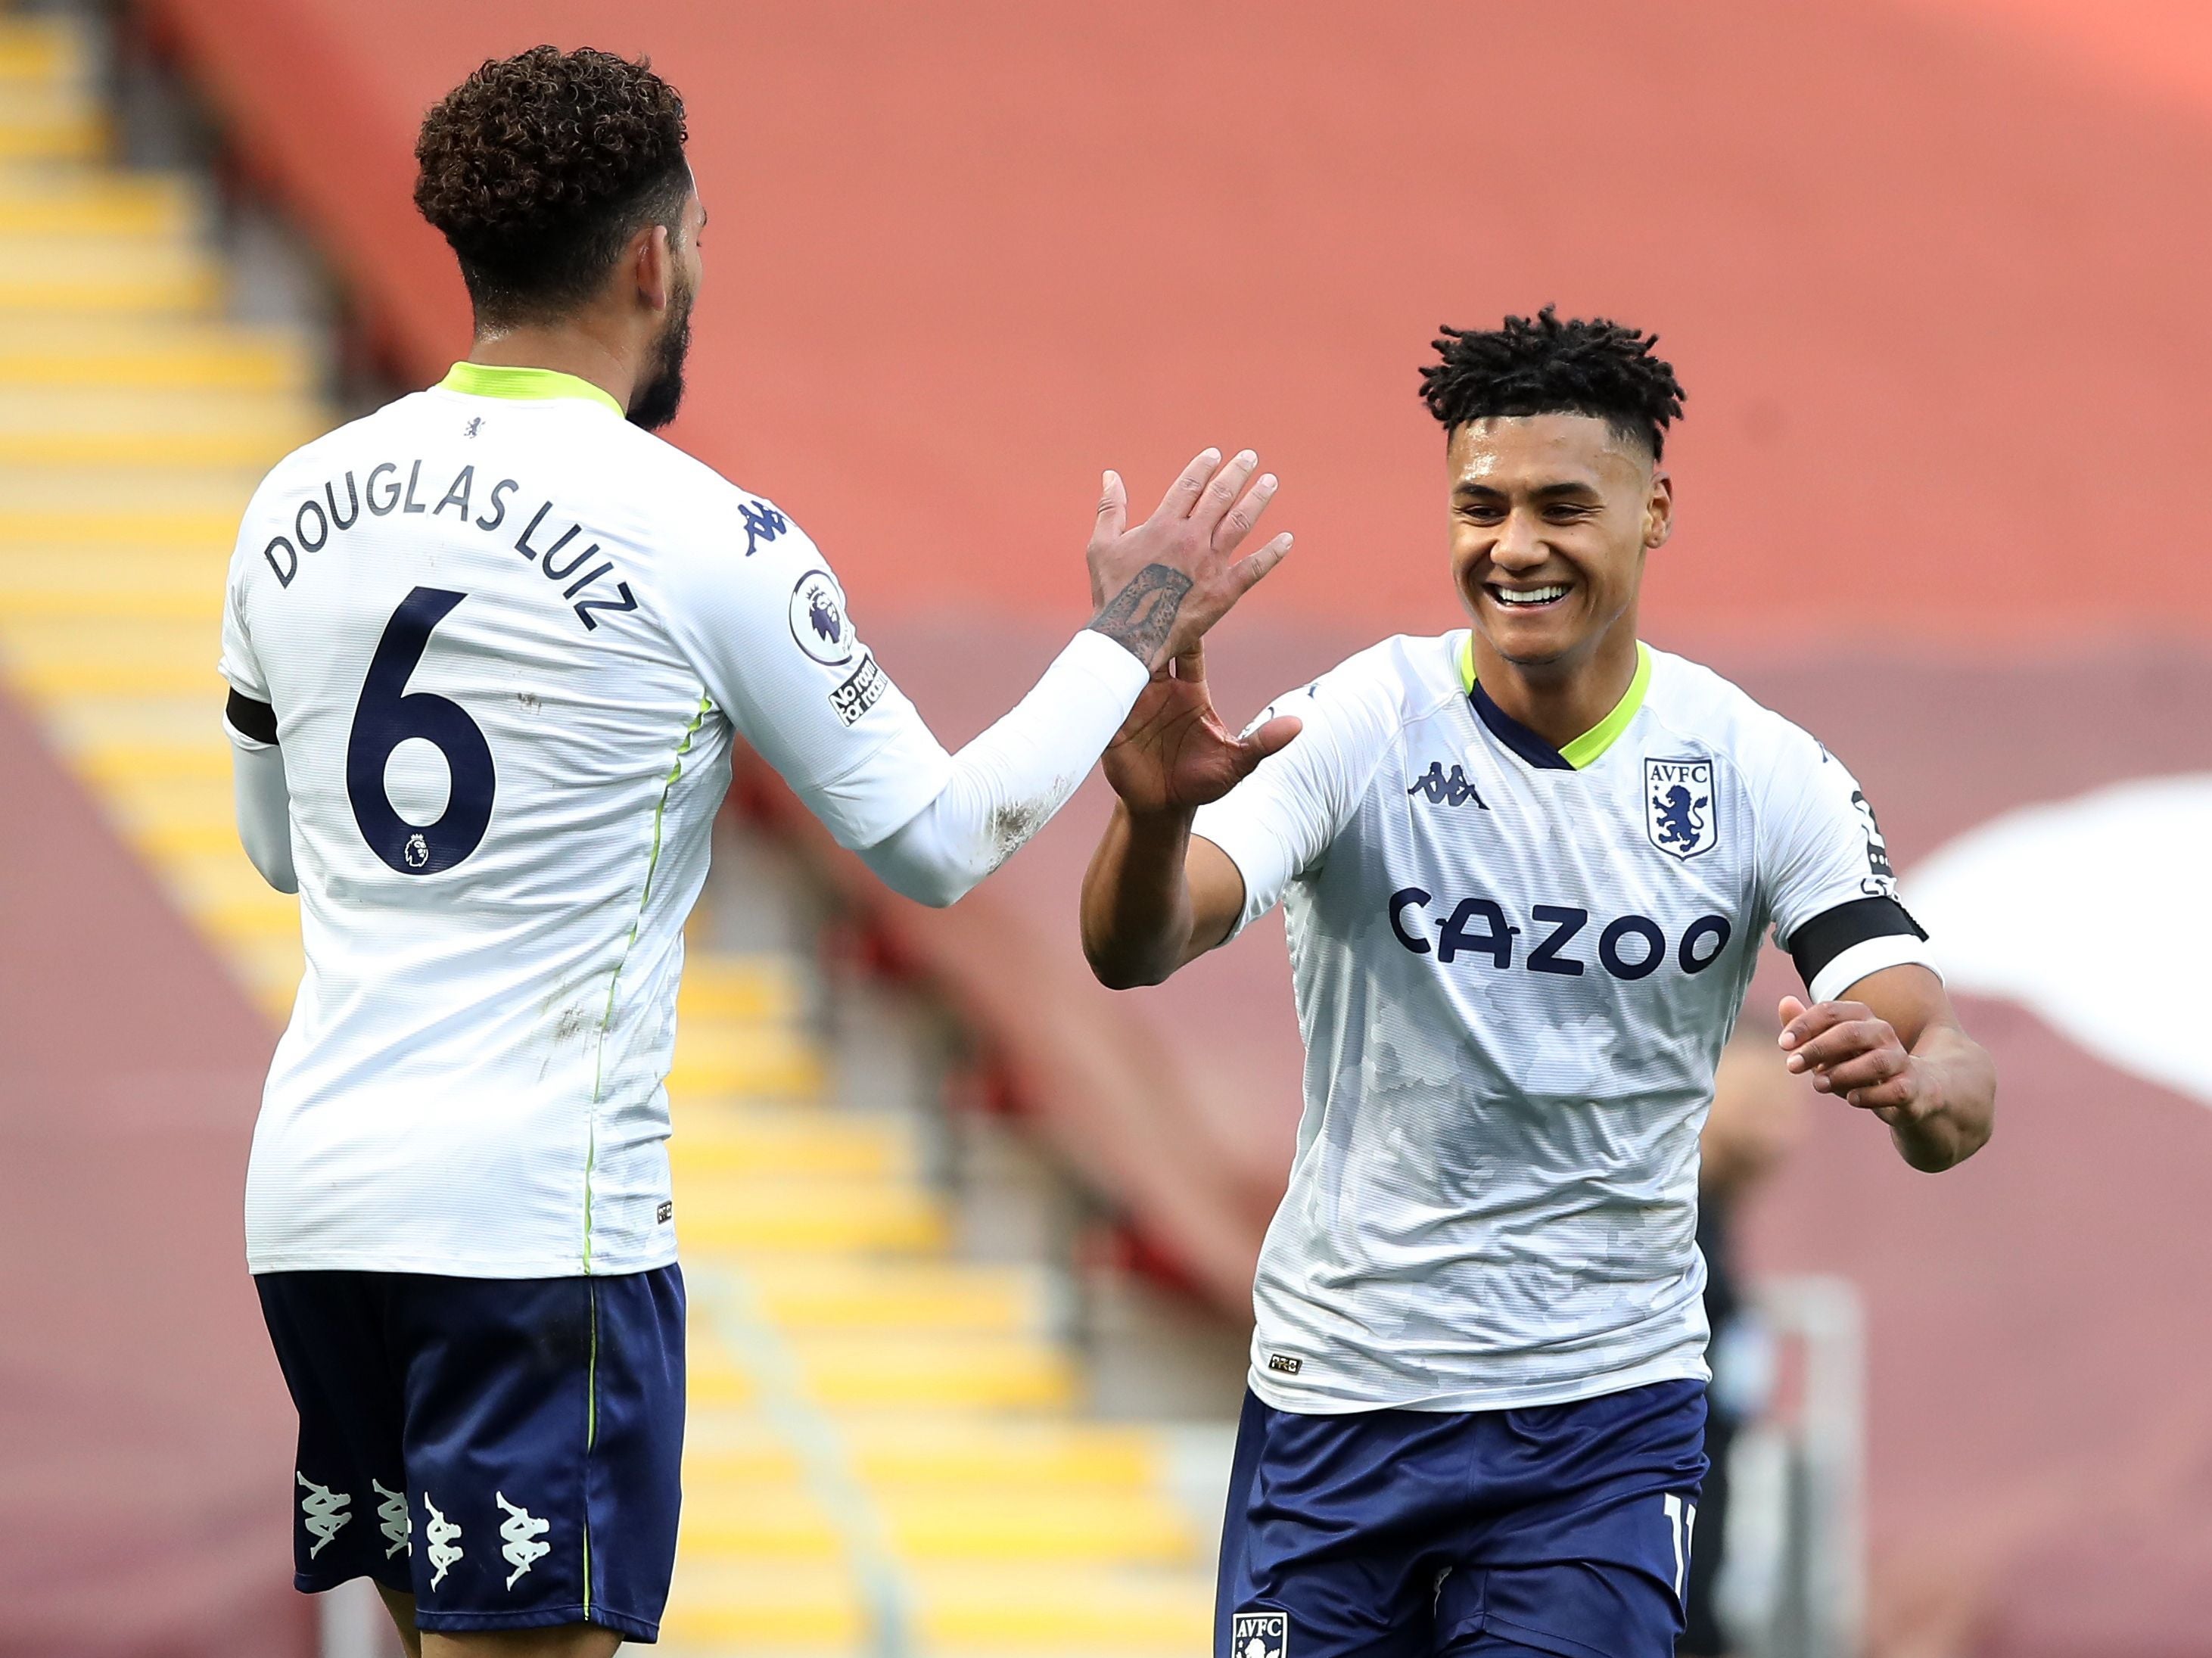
x=354, y=1624
x=2092, y=913
x=1792, y=1581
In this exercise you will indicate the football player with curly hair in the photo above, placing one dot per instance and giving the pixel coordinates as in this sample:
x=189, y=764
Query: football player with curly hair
x=488, y=650
x=1526, y=866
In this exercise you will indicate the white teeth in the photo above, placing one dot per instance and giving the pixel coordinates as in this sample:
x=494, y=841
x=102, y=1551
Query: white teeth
x=1528, y=595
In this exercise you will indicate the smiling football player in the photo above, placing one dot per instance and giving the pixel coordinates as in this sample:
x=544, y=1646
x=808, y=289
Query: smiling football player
x=1527, y=866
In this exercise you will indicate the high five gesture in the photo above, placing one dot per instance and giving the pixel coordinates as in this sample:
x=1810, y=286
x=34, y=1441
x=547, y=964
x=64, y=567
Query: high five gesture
x=1159, y=587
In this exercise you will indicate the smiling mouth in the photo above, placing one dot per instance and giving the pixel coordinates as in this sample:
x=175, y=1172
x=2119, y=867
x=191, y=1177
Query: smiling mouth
x=1527, y=598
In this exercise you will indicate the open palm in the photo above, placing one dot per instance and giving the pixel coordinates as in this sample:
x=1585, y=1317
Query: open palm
x=1173, y=753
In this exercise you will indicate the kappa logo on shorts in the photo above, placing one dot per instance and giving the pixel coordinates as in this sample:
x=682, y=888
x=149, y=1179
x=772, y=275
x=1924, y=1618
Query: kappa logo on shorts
x=1677, y=807
x=391, y=1520
x=1260, y=1635
x=323, y=1511
x=443, y=1537
x=519, y=1534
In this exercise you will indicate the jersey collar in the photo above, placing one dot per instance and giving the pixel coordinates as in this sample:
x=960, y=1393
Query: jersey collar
x=1578, y=755
x=484, y=380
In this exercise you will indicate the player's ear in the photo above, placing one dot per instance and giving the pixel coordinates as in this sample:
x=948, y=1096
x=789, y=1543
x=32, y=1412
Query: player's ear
x=651, y=260
x=1659, y=509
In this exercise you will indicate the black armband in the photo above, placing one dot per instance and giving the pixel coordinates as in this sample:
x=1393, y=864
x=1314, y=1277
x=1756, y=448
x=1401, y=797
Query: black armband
x=255, y=721
x=1829, y=934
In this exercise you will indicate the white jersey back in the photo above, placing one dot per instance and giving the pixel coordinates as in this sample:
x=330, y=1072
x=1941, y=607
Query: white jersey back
x=1515, y=969
x=507, y=637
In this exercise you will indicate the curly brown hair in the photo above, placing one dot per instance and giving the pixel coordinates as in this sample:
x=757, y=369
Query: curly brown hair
x=538, y=170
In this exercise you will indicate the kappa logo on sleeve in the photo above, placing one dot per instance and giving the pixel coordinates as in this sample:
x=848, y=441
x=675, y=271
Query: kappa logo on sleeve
x=860, y=692
x=1260, y=1635
x=763, y=524
x=818, y=621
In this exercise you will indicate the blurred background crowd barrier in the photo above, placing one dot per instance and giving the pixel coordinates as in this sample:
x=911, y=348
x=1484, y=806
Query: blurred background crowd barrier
x=970, y=1238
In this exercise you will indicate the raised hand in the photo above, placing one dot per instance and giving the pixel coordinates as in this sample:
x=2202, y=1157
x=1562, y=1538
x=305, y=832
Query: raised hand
x=1173, y=753
x=1849, y=1051
x=1159, y=586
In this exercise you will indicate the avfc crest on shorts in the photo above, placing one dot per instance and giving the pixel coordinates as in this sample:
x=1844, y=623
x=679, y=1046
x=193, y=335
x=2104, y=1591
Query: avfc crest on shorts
x=1679, y=813
x=1260, y=1635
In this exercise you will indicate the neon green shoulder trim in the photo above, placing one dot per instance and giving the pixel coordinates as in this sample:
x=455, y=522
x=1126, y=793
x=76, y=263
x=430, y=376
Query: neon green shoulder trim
x=484, y=380
x=1584, y=749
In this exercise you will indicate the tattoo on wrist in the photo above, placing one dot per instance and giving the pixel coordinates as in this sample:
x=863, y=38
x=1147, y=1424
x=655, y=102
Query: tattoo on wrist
x=1140, y=616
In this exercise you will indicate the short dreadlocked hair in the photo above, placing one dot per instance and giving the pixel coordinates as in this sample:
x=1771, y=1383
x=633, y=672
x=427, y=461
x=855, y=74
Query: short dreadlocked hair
x=538, y=170
x=1546, y=366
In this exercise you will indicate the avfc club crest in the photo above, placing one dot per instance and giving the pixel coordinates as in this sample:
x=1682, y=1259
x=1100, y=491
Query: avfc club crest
x=1260, y=1635
x=1679, y=813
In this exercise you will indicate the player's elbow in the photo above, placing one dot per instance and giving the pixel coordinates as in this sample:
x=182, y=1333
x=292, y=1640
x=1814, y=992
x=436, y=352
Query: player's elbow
x=942, y=892
x=939, y=885
x=1123, y=969
x=273, y=862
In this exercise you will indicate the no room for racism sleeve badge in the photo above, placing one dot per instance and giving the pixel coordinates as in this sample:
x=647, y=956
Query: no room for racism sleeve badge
x=1679, y=814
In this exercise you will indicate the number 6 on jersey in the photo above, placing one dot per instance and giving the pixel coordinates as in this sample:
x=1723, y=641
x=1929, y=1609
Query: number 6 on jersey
x=387, y=715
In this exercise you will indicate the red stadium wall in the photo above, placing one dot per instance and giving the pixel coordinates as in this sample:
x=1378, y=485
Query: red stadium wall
x=1931, y=273
x=143, y=1432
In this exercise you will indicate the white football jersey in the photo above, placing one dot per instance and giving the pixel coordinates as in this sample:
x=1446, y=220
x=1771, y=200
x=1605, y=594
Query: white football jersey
x=1515, y=968
x=507, y=636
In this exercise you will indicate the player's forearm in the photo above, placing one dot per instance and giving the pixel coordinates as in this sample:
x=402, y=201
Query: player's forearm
x=1007, y=784
x=262, y=802
x=1961, y=1084
x=1137, y=910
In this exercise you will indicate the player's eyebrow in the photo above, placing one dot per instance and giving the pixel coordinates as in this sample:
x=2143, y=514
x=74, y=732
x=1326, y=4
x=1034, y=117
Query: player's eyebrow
x=1471, y=488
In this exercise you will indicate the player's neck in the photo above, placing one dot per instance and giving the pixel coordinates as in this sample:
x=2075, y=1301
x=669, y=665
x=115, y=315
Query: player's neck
x=567, y=348
x=1560, y=700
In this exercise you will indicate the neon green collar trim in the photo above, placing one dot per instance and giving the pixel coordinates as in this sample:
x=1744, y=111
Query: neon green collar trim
x=484, y=380
x=1584, y=749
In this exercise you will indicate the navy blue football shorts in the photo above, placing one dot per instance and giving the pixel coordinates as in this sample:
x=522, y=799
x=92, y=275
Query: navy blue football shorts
x=1560, y=1529
x=506, y=1450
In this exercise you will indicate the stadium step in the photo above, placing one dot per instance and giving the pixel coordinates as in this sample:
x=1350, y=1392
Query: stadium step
x=94, y=202
x=1029, y=1612
x=67, y=273
x=761, y=1140
x=139, y=426
x=881, y=1432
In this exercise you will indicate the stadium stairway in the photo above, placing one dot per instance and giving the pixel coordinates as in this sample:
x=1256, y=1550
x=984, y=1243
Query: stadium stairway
x=888, y=1450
